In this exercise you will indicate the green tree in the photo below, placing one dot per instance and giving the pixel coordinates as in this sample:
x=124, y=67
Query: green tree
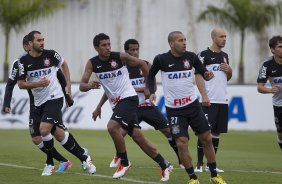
x=244, y=15
x=14, y=14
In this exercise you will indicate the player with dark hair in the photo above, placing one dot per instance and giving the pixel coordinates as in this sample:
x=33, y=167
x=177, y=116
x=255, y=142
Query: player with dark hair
x=112, y=73
x=145, y=111
x=38, y=73
x=271, y=70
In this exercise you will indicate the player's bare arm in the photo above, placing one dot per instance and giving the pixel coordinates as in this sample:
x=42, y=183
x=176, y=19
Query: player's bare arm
x=85, y=85
x=201, y=87
x=43, y=82
x=263, y=89
x=135, y=62
x=66, y=72
x=97, y=112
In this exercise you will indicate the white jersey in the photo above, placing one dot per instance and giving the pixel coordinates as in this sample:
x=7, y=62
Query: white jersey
x=33, y=69
x=272, y=71
x=177, y=77
x=114, y=78
x=216, y=88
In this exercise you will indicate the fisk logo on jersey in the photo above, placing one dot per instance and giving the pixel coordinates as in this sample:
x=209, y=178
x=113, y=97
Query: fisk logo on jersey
x=40, y=73
x=263, y=72
x=179, y=75
x=21, y=69
x=110, y=75
x=182, y=101
x=13, y=74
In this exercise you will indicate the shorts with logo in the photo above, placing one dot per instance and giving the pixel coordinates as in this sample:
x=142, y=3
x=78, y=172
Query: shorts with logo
x=191, y=115
x=153, y=116
x=217, y=115
x=51, y=112
x=278, y=118
x=34, y=122
x=125, y=113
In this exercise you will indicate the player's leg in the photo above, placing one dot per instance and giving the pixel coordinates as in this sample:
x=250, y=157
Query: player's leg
x=278, y=124
x=116, y=160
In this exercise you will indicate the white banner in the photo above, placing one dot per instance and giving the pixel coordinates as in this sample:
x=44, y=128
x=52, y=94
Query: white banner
x=248, y=110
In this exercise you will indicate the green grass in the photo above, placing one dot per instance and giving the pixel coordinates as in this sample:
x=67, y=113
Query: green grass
x=246, y=157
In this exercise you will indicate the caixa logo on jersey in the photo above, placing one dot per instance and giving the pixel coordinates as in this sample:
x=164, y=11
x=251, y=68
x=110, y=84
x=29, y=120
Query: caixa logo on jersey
x=40, y=73
x=236, y=109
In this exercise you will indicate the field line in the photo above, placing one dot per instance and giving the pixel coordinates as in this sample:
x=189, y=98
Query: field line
x=94, y=175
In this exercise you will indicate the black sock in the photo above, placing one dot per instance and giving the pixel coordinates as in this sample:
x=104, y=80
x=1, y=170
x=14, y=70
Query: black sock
x=279, y=143
x=71, y=146
x=172, y=144
x=48, y=143
x=161, y=161
x=191, y=173
x=215, y=142
x=78, y=146
x=200, y=152
x=58, y=156
x=212, y=167
x=123, y=159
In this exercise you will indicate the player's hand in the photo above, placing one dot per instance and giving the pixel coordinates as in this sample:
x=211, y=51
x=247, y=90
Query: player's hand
x=206, y=101
x=7, y=110
x=152, y=99
x=225, y=67
x=208, y=75
x=96, y=113
x=43, y=82
x=94, y=85
x=274, y=89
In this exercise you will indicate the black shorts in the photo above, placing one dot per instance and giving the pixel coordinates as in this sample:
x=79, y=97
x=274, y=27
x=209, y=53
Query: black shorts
x=51, y=112
x=217, y=115
x=34, y=122
x=278, y=118
x=125, y=113
x=153, y=116
x=191, y=115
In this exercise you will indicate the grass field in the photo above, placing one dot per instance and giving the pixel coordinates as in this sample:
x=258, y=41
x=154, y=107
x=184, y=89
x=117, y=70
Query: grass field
x=246, y=157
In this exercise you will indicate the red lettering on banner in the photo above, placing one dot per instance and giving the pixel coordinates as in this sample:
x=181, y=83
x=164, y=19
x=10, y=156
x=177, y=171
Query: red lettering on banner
x=182, y=101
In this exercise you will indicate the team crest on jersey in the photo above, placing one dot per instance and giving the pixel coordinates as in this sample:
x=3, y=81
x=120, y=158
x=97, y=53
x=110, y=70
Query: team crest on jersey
x=175, y=129
x=114, y=64
x=186, y=63
x=46, y=62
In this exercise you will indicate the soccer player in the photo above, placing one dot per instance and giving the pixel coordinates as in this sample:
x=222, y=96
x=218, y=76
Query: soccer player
x=112, y=73
x=271, y=70
x=145, y=111
x=183, y=108
x=214, y=92
x=38, y=72
x=33, y=118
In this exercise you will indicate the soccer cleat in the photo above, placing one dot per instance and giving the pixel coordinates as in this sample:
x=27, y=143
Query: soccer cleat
x=166, y=172
x=199, y=168
x=64, y=166
x=69, y=100
x=217, y=180
x=193, y=181
x=121, y=171
x=115, y=162
x=207, y=169
x=48, y=170
x=89, y=165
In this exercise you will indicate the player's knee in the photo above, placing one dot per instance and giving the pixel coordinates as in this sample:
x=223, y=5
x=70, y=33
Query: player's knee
x=181, y=142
